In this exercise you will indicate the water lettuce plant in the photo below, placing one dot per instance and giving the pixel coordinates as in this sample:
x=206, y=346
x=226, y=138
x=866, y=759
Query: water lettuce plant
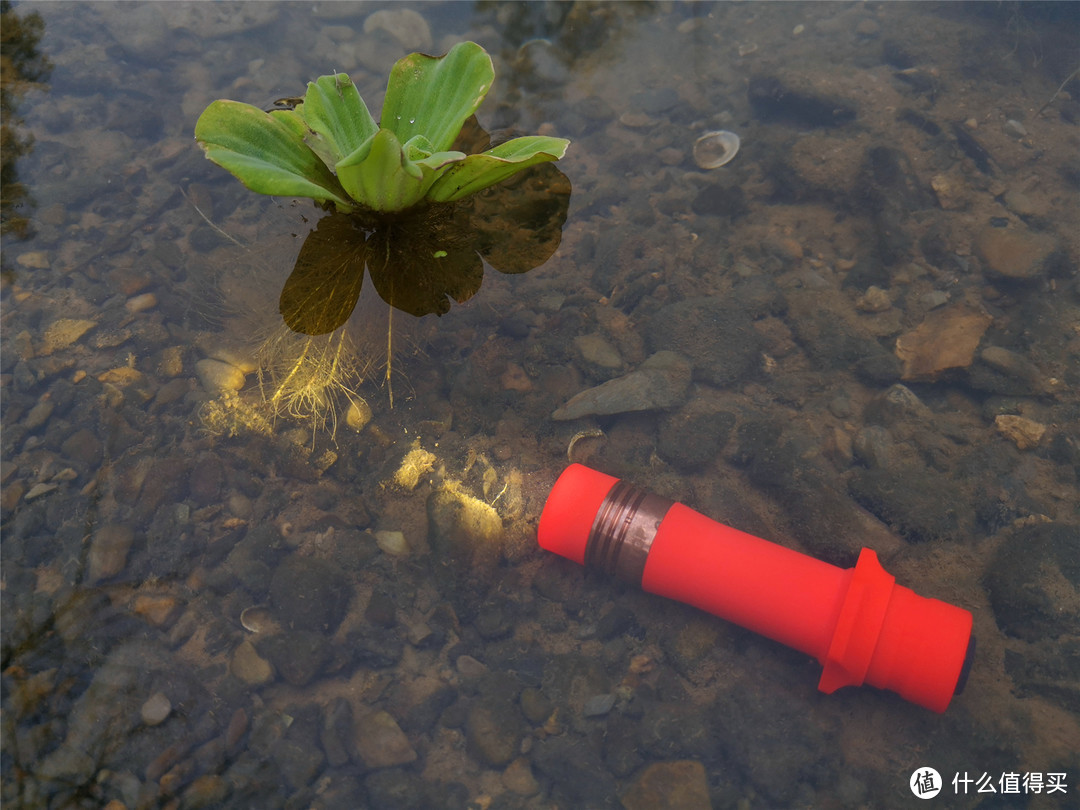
x=329, y=148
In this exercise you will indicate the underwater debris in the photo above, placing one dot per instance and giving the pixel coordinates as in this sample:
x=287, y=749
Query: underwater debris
x=715, y=149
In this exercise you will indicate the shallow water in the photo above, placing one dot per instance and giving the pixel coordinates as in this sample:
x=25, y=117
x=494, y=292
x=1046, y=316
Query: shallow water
x=222, y=588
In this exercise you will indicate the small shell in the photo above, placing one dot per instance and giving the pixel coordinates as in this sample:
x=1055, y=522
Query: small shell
x=257, y=619
x=596, y=438
x=715, y=149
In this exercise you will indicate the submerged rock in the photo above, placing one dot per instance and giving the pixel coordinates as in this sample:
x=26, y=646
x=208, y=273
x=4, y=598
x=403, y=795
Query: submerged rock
x=658, y=384
x=946, y=339
x=715, y=334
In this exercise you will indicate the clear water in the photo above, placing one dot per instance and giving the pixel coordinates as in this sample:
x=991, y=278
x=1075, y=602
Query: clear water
x=235, y=598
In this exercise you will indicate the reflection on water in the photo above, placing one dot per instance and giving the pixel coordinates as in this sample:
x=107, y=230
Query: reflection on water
x=852, y=334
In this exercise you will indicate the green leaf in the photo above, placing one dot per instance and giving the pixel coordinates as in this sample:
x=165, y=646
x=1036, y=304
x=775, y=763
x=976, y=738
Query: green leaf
x=381, y=176
x=477, y=172
x=266, y=152
x=434, y=95
x=339, y=119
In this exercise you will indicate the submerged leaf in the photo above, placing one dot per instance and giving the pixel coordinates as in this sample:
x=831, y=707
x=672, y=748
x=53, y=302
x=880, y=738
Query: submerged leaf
x=419, y=265
x=324, y=286
x=434, y=95
x=265, y=152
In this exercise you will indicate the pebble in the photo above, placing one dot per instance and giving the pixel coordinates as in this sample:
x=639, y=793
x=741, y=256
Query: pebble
x=63, y=333
x=951, y=192
x=1013, y=365
x=679, y=785
x=39, y=414
x=40, y=490
x=172, y=362
x=155, y=709
x=33, y=260
x=308, y=593
x=464, y=532
x=108, y=551
x=359, y=414
x=598, y=705
x=206, y=791
x=518, y=778
x=493, y=731
x=469, y=667
x=659, y=383
x=874, y=299
x=139, y=303
x=596, y=351
x=715, y=333
x=946, y=339
x=249, y=667
x=336, y=731
x=1015, y=129
x=1020, y=430
x=233, y=356
x=392, y=543
x=1018, y=255
x=405, y=25
x=934, y=299
x=217, y=376
x=380, y=742
x=157, y=609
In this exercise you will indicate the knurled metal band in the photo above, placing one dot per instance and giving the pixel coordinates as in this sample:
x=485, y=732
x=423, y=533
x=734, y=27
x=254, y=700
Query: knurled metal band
x=623, y=531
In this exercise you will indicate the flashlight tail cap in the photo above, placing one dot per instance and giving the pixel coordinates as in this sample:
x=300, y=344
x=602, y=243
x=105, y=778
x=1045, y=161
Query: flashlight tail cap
x=568, y=515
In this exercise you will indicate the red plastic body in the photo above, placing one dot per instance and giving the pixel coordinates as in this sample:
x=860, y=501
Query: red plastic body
x=857, y=622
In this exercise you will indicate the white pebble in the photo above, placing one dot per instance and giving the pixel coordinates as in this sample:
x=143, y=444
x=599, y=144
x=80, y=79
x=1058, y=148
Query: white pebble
x=141, y=302
x=392, y=543
x=155, y=710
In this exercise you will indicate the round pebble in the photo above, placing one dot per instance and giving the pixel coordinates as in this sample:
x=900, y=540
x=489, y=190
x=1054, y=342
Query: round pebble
x=392, y=543
x=141, y=302
x=156, y=709
x=217, y=376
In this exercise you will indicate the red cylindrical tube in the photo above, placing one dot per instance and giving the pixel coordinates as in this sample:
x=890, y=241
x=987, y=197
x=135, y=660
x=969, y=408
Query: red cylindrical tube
x=859, y=624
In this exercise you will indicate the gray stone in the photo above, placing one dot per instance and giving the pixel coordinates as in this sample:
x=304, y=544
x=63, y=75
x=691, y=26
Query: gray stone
x=659, y=383
x=598, y=705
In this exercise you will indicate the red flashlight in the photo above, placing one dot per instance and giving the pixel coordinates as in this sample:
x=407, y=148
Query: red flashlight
x=857, y=622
